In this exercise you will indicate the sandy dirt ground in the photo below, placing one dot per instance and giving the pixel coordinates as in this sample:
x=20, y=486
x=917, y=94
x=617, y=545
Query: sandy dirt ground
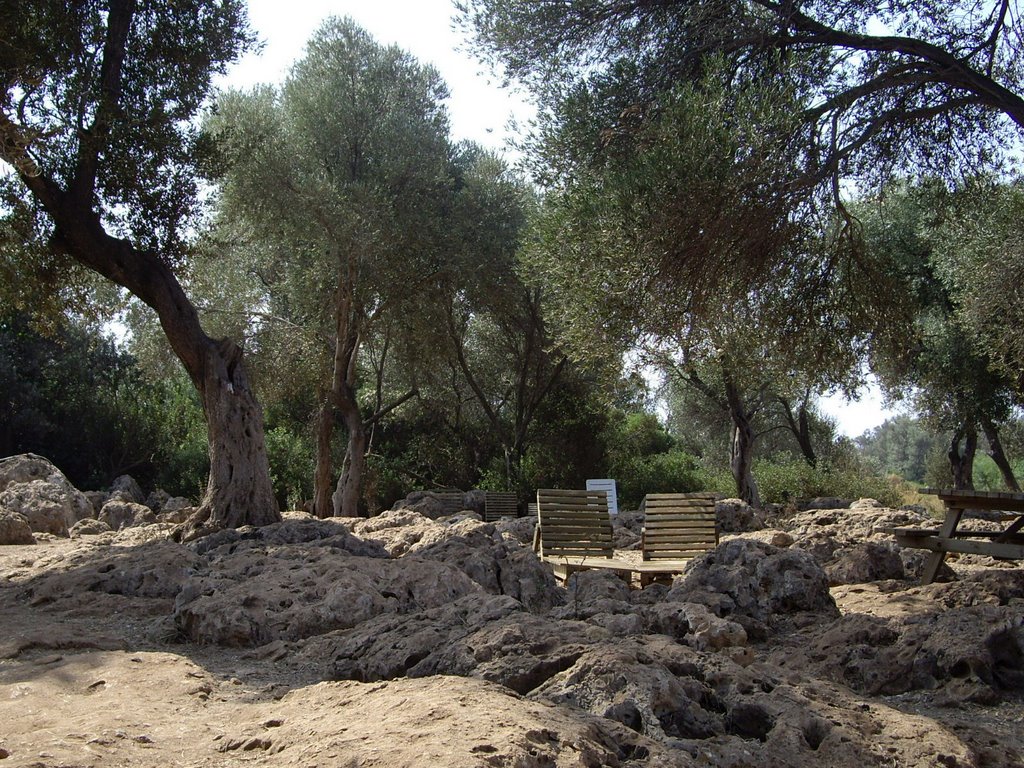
x=88, y=680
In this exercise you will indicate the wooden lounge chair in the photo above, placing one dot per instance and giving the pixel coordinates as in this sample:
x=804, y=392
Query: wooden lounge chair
x=677, y=528
x=574, y=532
x=499, y=504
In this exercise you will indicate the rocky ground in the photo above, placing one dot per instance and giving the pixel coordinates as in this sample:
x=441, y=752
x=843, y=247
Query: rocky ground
x=416, y=638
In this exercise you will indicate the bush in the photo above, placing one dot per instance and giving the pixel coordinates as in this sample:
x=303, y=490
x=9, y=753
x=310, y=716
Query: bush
x=673, y=471
x=291, y=467
x=787, y=481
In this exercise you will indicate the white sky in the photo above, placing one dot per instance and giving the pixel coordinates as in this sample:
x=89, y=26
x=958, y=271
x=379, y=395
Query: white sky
x=857, y=416
x=480, y=109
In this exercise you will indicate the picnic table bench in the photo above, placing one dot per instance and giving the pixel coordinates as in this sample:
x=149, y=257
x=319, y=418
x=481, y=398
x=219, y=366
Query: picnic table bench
x=1005, y=543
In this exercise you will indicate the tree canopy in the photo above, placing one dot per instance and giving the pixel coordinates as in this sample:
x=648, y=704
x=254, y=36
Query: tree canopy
x=920, y=87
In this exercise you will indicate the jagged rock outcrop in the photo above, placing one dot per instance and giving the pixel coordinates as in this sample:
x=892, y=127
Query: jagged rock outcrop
x=125, y=514
x=761, y=587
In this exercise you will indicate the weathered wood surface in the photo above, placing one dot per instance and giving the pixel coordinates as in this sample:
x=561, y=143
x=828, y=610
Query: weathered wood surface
x=678, y=526
x=1005, y=544
x=499, y=504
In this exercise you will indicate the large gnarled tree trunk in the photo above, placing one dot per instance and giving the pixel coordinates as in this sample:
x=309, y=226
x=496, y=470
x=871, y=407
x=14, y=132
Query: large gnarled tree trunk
x=961, y=463
x=239, y=490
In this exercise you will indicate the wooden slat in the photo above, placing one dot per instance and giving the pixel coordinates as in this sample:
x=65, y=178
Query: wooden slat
x=669, y=541
x=498, y=504
x=574, y=522
x=667, y=521
x=964, y=546
x=678, y=526
x=452, y=501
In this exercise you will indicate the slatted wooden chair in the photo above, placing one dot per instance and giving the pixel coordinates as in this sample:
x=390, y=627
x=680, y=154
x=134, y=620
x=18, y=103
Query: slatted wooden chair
x=453, y=500
x=574, y=532
x=499, y=504
x=677, y=528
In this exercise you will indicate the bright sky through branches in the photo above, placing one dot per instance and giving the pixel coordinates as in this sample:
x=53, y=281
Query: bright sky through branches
x=480, y=109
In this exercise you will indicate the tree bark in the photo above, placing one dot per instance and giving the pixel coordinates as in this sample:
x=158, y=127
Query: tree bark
x=799, y=425
x=741, y=459
x=962, y=464
x=346, y=495
x=239, y=490
x=322, y=506
x=995, y=450
x=348, y=321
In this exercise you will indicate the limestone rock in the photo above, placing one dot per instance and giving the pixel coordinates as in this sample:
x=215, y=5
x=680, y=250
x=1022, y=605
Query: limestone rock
x=48, y=507
x=257, y=594
x=736, y=516
x=88, y=527
x=25, y=468
x=174, y=504
x=156, y=499
x=866, y=504
x=125, y=514
x=773, y=536
x=825, y=502
x=293, y=529
x=127, y=488
x=500, y=566
x=694, y=625
x=14, y=528
x=855, y=524
x=757, y=585
x=175, y=510
x=865, y=561
x=425, y=503
x=397, y=530
x=488, y=637
x=96, y=499
x=155, y=569
x=518, y=529
x=974, y=653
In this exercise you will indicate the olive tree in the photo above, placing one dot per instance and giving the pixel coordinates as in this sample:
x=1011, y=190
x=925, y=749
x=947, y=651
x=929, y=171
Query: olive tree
x=97, y=127
x=336, y=183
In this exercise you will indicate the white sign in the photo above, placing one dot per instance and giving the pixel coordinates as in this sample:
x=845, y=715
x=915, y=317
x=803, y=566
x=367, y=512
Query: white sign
x=608, y=486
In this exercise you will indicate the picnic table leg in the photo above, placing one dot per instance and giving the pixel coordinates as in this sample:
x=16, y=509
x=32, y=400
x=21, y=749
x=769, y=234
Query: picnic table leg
x=934, y=561
x=1014, y=528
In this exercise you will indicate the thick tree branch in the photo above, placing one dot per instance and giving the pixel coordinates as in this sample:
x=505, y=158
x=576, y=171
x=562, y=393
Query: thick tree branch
x=94, y=138
x=942, y=64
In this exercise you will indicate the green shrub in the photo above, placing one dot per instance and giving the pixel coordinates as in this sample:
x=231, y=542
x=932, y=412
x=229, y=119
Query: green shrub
x=781, y=482
x=673, y=471
x=291, y=467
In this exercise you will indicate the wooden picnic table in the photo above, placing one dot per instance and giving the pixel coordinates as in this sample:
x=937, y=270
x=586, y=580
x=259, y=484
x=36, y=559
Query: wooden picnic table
x=1005, y=543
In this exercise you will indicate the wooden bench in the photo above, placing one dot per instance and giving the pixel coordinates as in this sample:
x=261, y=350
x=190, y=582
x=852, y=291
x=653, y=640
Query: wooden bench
x=499, y=504
x=574, y=533
x=677, y=528
x=1007, y=543
x=998, y=544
